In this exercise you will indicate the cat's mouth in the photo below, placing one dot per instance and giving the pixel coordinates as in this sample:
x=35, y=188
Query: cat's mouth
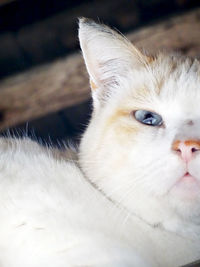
x=187, y=178
x=187, y=175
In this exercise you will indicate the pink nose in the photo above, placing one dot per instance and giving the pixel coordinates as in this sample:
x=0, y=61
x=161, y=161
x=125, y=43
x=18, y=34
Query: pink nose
x=186, y=149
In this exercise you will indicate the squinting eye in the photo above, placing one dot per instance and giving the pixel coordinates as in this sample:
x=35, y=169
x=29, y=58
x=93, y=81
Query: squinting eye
x=148, y=117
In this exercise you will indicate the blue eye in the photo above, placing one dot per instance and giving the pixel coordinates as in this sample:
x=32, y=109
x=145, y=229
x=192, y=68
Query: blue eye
x=148, y=117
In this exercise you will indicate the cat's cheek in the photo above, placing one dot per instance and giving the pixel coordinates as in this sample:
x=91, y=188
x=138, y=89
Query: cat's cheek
x=159, y=169
x=167, y=178
x=156, y=177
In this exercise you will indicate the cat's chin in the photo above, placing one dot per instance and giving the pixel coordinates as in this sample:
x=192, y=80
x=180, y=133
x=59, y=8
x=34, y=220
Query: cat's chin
x=184, y=198
x=187, y=187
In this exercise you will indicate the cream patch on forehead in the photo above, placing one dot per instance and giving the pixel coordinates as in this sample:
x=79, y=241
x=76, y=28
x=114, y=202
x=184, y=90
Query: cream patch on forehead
x=177, y=71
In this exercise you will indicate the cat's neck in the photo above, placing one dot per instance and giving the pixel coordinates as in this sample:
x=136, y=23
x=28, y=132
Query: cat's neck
x=166, y=220
x=155, y=217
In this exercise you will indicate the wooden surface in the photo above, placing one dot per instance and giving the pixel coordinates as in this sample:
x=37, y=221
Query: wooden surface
x=4, y=2
x=64, y=83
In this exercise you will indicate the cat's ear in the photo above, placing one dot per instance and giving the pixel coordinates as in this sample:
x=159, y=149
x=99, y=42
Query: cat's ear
x=108, y=56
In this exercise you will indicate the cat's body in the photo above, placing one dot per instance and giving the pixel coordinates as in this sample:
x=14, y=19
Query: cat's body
x=133, y=196
x=52, y=216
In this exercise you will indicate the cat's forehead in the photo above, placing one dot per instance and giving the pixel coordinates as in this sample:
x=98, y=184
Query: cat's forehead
x=179, y=84
x=168, y=79
x=176, y=74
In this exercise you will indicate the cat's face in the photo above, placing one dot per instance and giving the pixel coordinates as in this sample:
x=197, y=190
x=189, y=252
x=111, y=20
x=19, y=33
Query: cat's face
x=142, y=147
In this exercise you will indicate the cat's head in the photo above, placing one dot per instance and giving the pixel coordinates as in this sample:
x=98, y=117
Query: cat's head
x=142, y=146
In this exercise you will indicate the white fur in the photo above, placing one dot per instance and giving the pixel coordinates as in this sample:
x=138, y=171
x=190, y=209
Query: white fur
x=50, y=215
x=121, y=207
x=137, y=169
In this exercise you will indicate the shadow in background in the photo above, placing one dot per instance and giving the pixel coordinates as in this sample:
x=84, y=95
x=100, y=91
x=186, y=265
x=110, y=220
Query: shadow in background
x=39, y=31
x=34, y=32
x=65, y=125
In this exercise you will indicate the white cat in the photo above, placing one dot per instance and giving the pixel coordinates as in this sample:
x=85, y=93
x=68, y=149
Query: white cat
x=133, y=196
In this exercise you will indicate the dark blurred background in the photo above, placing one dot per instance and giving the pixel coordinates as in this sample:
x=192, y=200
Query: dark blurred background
x=35, y=32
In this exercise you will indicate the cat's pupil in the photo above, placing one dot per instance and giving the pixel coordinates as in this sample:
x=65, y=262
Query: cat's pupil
x=149, y=119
